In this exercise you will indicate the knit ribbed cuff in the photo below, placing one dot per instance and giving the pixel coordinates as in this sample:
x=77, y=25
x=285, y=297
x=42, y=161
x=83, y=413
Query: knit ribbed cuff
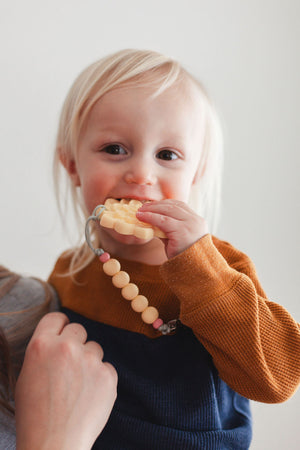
x=199, y=275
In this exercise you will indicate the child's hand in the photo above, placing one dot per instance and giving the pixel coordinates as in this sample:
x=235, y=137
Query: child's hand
x=182, y=226
x=65, y=392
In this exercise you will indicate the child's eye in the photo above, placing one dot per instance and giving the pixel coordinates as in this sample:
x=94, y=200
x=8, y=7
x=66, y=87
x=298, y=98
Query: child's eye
x=114, y=149
x=167, y=155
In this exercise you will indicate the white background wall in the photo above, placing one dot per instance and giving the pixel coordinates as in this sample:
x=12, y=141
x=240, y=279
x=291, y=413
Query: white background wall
x=247, y=54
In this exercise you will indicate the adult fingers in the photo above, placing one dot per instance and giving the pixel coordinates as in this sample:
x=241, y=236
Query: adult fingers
x=74, y=331
x=112, y=371
x=95, y=348
x=51, y=323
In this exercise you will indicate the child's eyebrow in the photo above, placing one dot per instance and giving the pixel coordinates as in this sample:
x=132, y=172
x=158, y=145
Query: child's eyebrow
x=118, y=125
x=108, y=131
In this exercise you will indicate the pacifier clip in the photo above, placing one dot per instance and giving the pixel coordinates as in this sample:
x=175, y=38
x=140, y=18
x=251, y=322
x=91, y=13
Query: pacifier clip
x=121, y=279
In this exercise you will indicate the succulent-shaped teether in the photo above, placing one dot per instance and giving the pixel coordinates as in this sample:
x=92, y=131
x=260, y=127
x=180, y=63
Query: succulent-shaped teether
x=120, y=215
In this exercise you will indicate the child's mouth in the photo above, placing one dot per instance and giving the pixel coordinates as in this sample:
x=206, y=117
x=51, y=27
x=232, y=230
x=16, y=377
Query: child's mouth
x=129, y=199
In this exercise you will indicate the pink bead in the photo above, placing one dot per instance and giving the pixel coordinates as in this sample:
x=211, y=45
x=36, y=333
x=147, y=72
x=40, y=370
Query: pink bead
x=104, y=257
x=157, y=323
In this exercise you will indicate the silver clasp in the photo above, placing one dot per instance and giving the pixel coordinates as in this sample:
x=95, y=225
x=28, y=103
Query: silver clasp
x=167, y=328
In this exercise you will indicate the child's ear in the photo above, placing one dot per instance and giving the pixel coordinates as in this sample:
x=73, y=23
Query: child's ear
x=70, y=166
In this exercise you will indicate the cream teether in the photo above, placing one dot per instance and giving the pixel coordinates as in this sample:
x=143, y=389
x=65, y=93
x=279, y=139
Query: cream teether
x=112, y=267
x=121, y=217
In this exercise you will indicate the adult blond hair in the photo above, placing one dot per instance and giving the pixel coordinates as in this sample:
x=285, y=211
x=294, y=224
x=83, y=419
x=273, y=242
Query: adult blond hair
x=133, y=68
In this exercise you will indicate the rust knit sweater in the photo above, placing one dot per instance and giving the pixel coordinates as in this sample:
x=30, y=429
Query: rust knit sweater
x=214, y=290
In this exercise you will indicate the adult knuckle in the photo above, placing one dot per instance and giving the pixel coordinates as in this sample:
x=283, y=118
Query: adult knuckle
x=37, y=346
x=91, y=358
x=53, y=316
x=110, y=374
x=94, y=348
x=77, y=328
x=67, y=348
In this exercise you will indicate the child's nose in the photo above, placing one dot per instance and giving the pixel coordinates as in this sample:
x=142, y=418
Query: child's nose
x=140, y=173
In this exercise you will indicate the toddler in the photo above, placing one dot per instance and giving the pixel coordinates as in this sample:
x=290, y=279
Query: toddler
x=137, y=126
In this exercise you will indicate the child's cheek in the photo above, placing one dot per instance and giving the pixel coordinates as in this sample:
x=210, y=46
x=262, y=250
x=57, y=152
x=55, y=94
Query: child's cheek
x=92, y=193
x=176, y=191
x=168, y=192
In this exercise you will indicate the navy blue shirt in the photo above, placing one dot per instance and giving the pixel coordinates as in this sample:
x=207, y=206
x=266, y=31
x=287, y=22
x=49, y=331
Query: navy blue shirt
x=169, y=393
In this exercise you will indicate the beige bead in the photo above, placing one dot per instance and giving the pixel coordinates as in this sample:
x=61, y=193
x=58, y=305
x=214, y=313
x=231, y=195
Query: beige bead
x=111, y=267
x=130, y=291
x=139, y=303
x=150, y=314
x=120, y=279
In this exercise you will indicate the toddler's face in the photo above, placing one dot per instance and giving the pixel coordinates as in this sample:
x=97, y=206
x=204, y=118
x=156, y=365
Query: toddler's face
x=135, y=146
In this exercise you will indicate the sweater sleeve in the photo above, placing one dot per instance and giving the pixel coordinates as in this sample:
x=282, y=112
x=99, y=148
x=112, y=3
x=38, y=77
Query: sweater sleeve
x=254, y=342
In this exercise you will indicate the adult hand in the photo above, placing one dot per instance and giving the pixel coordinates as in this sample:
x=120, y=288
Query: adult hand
x=65, y=392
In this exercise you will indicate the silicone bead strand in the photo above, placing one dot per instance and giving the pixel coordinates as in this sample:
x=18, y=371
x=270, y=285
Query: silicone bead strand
x=130, y=291
x=121, y=279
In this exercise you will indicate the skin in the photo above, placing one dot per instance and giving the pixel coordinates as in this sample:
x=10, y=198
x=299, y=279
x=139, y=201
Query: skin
x=65, y=392
x=138, y=146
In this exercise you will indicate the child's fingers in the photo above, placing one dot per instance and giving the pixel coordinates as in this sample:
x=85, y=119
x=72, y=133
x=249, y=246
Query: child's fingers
x=171, y=208
x=164, y=222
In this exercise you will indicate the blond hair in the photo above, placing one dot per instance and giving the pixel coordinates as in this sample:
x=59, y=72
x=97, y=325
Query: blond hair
x=133, y=68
